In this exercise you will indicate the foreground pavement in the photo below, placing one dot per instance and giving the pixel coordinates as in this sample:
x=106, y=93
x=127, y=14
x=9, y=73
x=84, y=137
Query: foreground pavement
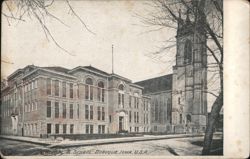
x=73, y=143
x=188, y=146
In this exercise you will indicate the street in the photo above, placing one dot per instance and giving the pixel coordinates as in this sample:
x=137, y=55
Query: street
x=165, y=147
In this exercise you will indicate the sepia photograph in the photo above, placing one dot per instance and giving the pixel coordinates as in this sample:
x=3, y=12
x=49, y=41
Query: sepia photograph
x=135, y=78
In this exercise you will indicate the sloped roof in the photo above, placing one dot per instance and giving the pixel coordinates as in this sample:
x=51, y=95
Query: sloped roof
x=157, y=84
x=57, y=68
x=95, y=69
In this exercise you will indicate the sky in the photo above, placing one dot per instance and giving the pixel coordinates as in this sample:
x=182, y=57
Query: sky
x=113, y=22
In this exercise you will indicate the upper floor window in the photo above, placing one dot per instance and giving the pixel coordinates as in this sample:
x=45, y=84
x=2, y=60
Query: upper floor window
x=56, y=110
x=71, y=90
x=188, y=52
x=48, y=85
x=71, y=111
x=100, y=92
x=48, y=109
x=130, y=101
x=56, y=88
x=89, y=89
x=121, y=95
x=64, y=89
x=64, y=110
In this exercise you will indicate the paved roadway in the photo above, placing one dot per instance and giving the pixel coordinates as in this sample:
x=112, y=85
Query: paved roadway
x=165, y=147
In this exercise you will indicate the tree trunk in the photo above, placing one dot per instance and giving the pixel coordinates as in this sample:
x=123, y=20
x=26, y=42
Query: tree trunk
x=213, y=118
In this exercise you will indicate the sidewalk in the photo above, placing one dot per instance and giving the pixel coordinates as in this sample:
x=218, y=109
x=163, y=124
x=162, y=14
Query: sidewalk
x=72, y=143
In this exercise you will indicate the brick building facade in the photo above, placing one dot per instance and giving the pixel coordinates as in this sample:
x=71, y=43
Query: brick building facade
x=84, y=100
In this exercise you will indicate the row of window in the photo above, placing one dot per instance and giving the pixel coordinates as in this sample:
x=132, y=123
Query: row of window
x=64, y=110
x=31, y=129
x=30, y=86
x=89, y=89
x=89, y=129
x=30, y=107
x=89, y=111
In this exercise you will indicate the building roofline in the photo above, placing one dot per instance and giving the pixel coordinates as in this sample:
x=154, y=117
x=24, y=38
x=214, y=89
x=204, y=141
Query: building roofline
x=48, y=70
x=118, y=76
x=87, y=69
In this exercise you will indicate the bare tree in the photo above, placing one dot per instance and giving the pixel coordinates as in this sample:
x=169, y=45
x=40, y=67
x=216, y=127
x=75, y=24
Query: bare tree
x=209, y=14
x=16, y=11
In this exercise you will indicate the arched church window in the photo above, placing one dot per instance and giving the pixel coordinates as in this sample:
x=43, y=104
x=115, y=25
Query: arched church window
x=188, y=52
x=100, y=91
x=89, y=89
x=121, y=95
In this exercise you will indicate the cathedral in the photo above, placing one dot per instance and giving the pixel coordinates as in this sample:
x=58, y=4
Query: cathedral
x=38, y=101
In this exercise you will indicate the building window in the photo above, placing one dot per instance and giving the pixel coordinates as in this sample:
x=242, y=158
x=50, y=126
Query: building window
x=36, y=83
x=188, y=52
x=155, y=128
x=71, y=128
x=48, y=128
x=86, y=112
x=56, y=110
x=48, y=85
x=87, y=129
x=64, y=89
x=100, y=92
x=110, y=118
x=48, y=109
x=137, y=117
x=89, y=89
x=130, y=116
x=130, y=101
x=78, y=111
x=137, y=103
x=156, y=111
x=78, y=93
x=64, y=110
x=71, y=111
x=91, y=112
x=64, y=128
x=91, y=129
x=56, y=88
x=71, y=90
x=103, y=114
x=98, y=113
x=179, y=100
x=180, y=119
x=101, y=129
x=57, y=128
x=121, y=96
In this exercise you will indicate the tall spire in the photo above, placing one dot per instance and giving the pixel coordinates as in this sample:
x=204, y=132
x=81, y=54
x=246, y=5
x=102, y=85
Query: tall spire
x=112, y=59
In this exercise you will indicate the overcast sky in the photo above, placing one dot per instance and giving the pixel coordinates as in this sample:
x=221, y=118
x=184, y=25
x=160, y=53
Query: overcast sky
x=113, y=22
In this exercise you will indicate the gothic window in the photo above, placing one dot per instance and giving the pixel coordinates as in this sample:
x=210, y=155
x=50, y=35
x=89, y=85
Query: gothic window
x=89, y=89
x=188, y=52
